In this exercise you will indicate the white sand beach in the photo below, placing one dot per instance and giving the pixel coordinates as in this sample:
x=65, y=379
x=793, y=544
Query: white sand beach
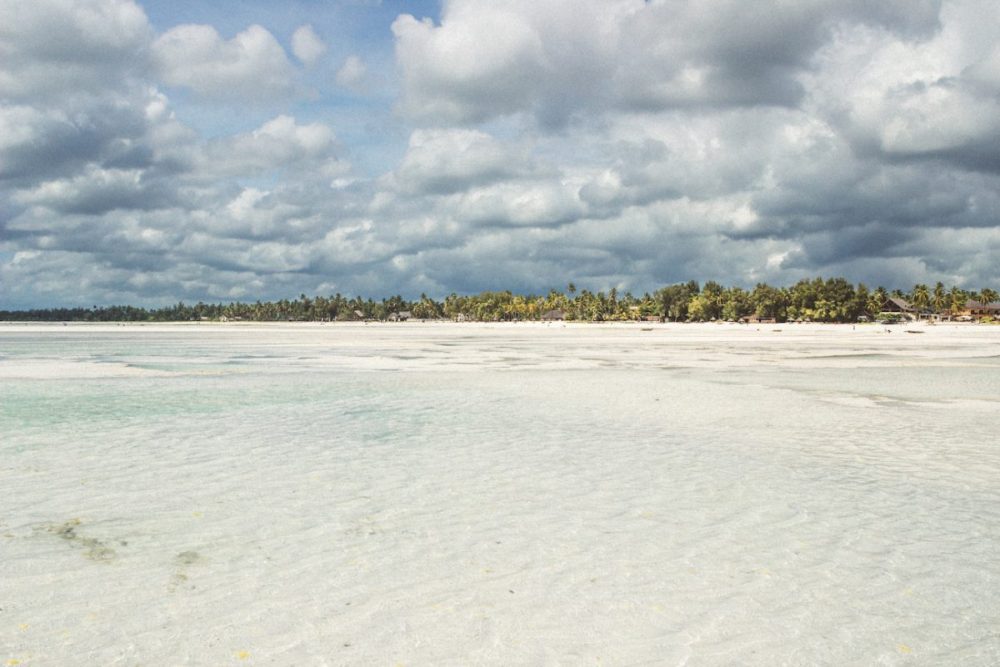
x=476, y=494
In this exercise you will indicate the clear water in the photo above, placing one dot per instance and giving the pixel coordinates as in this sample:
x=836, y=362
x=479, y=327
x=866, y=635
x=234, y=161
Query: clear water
x=464, y=494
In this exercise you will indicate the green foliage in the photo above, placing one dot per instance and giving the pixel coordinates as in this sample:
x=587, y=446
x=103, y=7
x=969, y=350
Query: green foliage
x=674, y=300
x=817, y=300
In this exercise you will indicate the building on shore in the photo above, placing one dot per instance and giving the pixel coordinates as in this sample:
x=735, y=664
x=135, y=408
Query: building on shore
x=978, y=310
x=894, y=304
x=758, y=319
x=905, y=309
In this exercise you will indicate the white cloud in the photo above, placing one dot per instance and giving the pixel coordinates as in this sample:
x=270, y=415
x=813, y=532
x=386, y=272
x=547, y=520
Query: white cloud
x=518, y=204
x=93, y=191
x=352, y=74
x=619, y=143
x=70, y=48
x=932, y=99
x=250, y=67
x=307, y=45
x=938, y=118
x=443, y=161
x=563, y=58
x=240, y=207
x=479, y=64
x=281, y=143
x=44, y=141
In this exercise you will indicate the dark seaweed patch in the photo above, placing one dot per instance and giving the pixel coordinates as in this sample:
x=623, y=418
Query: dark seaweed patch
x=93, y=549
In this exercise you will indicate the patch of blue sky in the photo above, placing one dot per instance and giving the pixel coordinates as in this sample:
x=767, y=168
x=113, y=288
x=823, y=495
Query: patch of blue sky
x=372, y=137
x=357, y=23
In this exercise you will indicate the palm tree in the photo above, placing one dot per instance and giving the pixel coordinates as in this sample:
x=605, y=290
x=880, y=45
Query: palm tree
x=958, y=298
x=920, y=297
x=876, y=302
x=939, y=297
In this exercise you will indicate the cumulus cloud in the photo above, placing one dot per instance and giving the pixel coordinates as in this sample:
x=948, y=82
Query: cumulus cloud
x=75, y=134
x=352, y=73
x=446, y=161
x=307, y=45
x=97, y=173
x=616, y=143
x=556, y=59
x=947, y=119
x=529, y=205
x=53, y=49
x=94, y=191
x=280, y=143
x=252, y=66
x=916, y=100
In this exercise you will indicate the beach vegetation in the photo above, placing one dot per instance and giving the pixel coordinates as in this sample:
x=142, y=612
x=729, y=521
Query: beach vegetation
x=808, y=300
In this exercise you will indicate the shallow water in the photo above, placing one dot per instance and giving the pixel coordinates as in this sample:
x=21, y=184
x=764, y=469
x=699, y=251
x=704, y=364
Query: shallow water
x=469, y=494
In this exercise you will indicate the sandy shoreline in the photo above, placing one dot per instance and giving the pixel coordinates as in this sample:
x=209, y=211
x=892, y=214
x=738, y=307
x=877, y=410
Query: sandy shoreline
x=436, y=346
x=521, y=324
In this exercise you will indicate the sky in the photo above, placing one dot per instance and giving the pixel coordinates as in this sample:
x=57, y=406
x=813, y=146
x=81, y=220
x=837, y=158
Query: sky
x=152, y=152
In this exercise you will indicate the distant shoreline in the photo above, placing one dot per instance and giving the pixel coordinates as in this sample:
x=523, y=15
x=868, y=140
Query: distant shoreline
x=526, y=325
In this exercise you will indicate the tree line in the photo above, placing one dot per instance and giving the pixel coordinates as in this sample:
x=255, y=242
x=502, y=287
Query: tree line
x=816, y=300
